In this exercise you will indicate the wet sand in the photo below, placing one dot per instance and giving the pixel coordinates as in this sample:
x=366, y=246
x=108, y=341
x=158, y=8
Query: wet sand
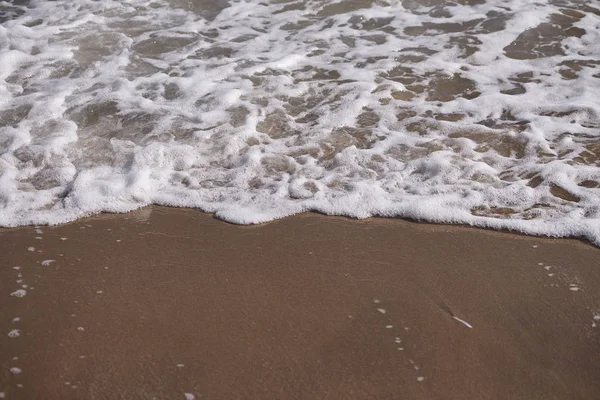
x=173, y=304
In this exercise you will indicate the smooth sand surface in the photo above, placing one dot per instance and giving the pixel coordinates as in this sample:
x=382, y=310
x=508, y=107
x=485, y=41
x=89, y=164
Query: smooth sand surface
x=161, y=303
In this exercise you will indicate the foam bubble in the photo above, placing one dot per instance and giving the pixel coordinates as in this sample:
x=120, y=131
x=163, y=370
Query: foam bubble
x=19, y=293
x=14, y=333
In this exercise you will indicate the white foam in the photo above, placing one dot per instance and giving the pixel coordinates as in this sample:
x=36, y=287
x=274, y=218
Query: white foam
x=14, y=333
x=47, y=262
x=15, y=371
x=19, y=293
x=260, y=112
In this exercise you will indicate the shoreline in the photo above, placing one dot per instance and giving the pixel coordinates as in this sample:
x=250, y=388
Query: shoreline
x=172, y=301
x=460, y=225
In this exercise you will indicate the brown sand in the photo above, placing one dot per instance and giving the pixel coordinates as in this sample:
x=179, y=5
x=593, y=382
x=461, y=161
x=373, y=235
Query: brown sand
x=289, y=310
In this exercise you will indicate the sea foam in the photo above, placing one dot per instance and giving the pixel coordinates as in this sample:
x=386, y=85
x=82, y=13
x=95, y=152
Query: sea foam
x=476, y=112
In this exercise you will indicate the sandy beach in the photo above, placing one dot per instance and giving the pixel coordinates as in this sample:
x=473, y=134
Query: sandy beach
x=173, y=304
x=479, y=113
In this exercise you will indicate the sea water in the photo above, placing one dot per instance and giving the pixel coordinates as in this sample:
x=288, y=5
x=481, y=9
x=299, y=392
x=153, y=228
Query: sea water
x=482, y=112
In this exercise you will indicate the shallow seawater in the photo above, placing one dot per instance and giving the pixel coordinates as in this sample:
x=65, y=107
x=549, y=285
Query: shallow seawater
x=468, y=111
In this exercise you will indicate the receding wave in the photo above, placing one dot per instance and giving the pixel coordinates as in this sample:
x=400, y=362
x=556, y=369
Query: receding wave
x=466, y=111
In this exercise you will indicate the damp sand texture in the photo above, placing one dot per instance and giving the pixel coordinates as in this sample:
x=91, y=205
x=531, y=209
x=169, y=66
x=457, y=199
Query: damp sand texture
x=170, y=303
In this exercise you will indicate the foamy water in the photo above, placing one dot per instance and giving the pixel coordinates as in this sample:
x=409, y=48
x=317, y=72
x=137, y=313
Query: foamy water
x=472, y=111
